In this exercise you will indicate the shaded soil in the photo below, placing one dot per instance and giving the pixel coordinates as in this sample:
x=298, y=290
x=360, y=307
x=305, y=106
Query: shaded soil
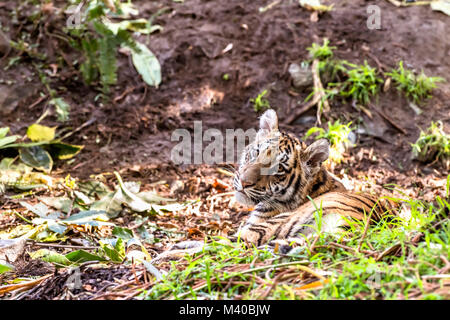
x=132, y=132
x=136, y=125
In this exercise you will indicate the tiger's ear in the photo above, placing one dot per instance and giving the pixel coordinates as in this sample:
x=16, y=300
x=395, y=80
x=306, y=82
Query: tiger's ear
x=317, y=153
x=269, y=121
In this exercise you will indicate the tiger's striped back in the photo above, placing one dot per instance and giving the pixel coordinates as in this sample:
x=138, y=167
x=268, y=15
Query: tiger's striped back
x=329, y=207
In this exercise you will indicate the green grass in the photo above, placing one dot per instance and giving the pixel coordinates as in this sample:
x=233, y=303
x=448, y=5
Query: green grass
x=361, y=84
x=415, y=87
x=337, y=133
x=433, y=144
x=321, y=52
x=233, y=271
x=260, y=103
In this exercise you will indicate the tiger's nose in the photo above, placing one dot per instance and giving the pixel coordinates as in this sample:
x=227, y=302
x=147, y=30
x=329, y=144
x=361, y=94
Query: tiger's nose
x=249, y=176
x=246, y=183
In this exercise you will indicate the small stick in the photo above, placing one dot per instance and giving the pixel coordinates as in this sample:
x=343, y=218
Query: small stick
x=34, y=104
x=385, y=117
x=388, y=251
x=298, y=112
x=374, y=58
x=87, y=123
x=274, y=284
x=127, y=91
x=319, y=95
x=134, y=273
x=225, y=172
x=68, y=246
x=28, y=284
x=318, y=89
x=22, y=217
x=313, y=245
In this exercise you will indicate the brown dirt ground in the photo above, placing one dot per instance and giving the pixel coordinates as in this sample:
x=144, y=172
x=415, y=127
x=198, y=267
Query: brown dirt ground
x=131, y=134
x=136, y=128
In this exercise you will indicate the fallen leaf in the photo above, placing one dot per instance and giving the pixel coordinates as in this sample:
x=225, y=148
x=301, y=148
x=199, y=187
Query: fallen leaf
x=38, y=133
x=11, y=250
x=441, y=5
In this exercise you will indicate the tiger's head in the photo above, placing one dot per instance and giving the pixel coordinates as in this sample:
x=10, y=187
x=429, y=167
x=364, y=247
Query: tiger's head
x=276, y=168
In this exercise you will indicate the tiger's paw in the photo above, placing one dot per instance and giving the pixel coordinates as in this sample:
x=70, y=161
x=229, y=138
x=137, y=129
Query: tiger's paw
x=248, y=236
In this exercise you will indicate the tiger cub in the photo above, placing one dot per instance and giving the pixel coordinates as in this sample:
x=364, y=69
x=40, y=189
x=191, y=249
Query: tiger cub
x=278, y=175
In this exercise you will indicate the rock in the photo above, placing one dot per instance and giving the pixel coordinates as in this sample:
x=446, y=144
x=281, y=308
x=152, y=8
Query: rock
x=306, y=120
x=10, y=96
x=301, y=75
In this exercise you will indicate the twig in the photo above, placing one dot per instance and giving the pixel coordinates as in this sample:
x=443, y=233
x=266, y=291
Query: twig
x=269, y=6
x=87, y=123
x=275, y=282
x=22, y=217
x=318, y=90
x=298, y=112
x=225, y=172
x=313, y=244
x=446, y=268
x=65, y=246
x=385, y=117
x=134, y=273
x=34, y=104
x=127, y=91
x=28, y=284
x=319, y=97
x=388, y=251
x=379, y=64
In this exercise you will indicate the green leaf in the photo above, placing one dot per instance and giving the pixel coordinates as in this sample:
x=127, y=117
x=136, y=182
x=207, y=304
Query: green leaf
x=140, y=25
x=153, y=197
x=116, y=253
x=47, y=236
x=107, y=62
x=89, y=67
x=123, y=233
x=64, y=151
x=24, y=145
x=57, y=227
x=62, y=109
x=146, y=64
x=5, y=267
x=120, y=247
x=37, y=158
x=51, y=256
x=81, y=256
x=3, y=132
x=38, y=133
x=8, y=140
